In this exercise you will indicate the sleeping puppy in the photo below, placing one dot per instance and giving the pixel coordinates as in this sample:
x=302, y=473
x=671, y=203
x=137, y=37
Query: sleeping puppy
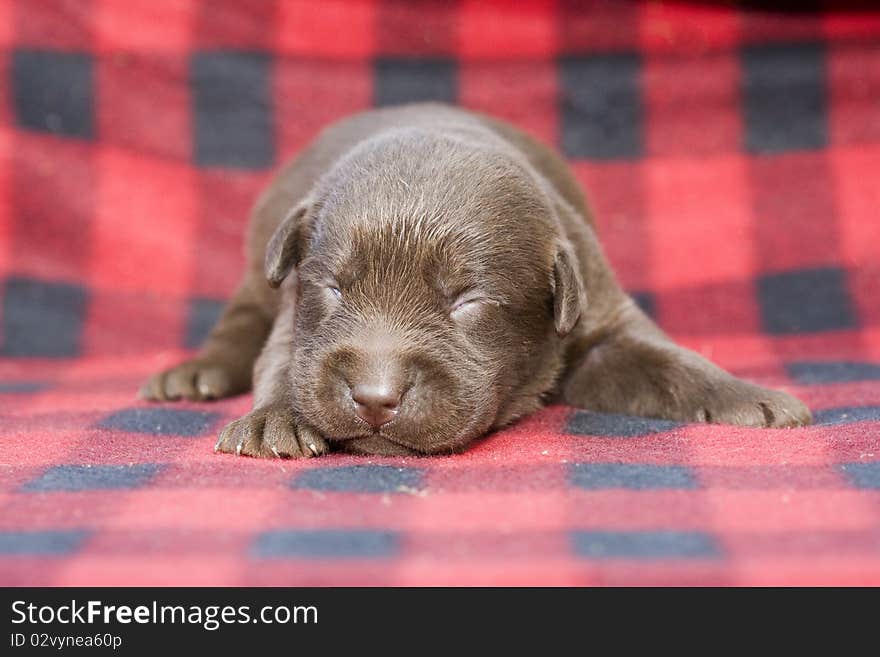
x=422, y=275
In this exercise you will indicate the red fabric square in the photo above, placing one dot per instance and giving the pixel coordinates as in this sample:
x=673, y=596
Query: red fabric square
x=146, y=213
x=523, y=93
x=223, y=204
x=59, y=169
x=235, y=24
x=421, y=28
x=332, y=28
x=598, y=25
x=528, y=29
x=144, y=25
x=692, y=104
x=616, y=193
x=130, y=88
x=701, y=220
x=795, y=221
x=310, y=93
x=689, y=27
x=54, y=24
x=853, y=87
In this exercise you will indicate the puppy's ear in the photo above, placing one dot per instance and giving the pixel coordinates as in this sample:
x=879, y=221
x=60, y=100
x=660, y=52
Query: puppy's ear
x=569, y=298
x=287, y=247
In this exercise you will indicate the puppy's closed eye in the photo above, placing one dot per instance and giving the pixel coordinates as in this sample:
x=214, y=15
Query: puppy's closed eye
x=469, y=304
x=332, y=292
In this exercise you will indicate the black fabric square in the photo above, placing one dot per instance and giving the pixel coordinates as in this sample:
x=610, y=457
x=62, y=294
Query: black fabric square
x=588, y=423
x=360, y=479
x=93, y=477
x=601, y=106
x=21, y=387
x=832, y=371
x=48, y=542
x=53, y=92
x=649, y=545
x=847, y=415
x=160, y=421
x=42, y=319
x=863, y=475
x=646, y=301
x=202, y=315
x=326, y=544
x=805, y=301
x=408, y=80
x=784, y=97
x=637, y=476
x=233, y=112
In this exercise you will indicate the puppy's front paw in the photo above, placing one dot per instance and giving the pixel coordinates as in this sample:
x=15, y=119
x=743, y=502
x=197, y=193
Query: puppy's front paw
x=745, y=404
x=270, y=432
x=199, y=379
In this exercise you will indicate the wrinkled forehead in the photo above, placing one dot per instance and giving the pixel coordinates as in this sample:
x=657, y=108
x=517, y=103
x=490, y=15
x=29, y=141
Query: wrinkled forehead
x=442, y=255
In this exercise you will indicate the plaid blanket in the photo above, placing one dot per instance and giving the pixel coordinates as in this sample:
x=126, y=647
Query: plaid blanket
x=732, y=156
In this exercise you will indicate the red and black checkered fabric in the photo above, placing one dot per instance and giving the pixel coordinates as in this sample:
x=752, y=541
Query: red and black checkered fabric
x=733, y=158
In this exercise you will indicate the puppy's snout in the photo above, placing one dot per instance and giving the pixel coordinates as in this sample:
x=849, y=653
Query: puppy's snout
x=377, y=402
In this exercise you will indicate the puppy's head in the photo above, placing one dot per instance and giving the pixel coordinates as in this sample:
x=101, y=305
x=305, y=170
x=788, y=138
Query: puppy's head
x=432, y=294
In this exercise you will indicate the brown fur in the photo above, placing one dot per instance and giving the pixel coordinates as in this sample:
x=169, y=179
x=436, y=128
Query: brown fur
x=449, y=260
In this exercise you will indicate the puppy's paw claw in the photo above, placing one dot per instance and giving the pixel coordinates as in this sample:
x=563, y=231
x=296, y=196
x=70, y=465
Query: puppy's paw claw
x=270, y=432
x=749, y=405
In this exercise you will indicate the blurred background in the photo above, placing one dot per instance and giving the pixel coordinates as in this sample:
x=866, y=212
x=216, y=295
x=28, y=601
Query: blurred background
x=730, y=152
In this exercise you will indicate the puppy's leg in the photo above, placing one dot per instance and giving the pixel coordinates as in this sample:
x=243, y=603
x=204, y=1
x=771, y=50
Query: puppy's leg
x=635, y=369
x=224, y=366
x=272, y=429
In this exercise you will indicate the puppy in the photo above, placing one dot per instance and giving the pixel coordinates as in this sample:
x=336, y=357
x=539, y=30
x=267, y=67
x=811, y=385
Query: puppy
x=422, y=275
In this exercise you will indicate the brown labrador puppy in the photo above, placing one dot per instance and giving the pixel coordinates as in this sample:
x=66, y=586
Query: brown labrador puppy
x=422, y=275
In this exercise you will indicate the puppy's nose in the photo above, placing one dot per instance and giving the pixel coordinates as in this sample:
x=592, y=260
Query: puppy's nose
x=375, y=404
